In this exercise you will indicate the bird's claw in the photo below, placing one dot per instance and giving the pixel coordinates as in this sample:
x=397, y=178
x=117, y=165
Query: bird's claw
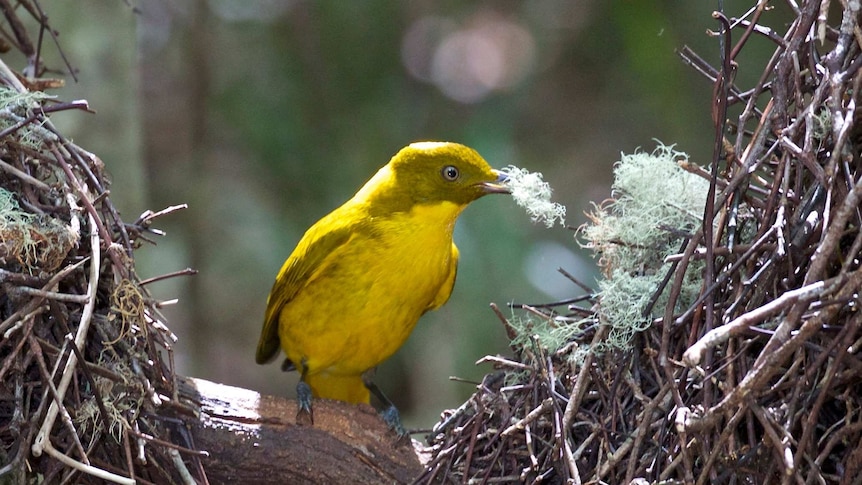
x=393, y=420
x=305, y=415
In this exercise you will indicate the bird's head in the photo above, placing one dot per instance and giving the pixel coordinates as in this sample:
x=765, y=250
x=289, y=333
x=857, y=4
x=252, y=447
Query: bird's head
x=430, y=172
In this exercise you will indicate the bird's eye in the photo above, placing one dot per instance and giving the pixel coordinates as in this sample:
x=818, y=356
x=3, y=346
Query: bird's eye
x=451, y=173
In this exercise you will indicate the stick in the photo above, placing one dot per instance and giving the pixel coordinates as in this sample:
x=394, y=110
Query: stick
x=42, y=443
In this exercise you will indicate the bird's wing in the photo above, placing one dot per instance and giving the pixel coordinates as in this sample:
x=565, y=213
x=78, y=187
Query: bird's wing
x=446, y=288
x=309, y=256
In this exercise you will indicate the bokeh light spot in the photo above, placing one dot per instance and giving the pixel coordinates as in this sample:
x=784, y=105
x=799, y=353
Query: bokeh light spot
x=467, y=63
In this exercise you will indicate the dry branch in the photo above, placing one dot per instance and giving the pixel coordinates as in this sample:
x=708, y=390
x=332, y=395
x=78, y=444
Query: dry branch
x=250, y=438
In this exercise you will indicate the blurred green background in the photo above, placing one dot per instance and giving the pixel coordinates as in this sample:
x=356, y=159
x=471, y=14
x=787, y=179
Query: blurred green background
x=263, y=115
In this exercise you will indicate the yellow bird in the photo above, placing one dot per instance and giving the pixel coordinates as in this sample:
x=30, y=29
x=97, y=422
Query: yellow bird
x=354, y=287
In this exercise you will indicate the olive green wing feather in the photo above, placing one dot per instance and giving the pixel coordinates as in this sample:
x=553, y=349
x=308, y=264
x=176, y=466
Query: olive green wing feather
x=446, y=288
x=309, y=256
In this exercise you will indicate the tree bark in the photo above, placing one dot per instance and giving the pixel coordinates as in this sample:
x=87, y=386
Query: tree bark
x=253, y=438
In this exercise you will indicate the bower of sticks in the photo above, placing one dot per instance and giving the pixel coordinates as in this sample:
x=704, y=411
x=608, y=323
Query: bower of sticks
x=85, y=358
x=757, y=379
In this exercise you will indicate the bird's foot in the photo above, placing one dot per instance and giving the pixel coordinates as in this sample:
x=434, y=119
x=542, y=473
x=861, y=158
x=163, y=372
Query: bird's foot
x=305, y=415
x=390, y=412
x=393, y=420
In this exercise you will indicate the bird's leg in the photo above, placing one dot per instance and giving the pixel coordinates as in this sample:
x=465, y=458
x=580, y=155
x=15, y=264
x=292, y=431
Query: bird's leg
x=305, y=415
x=390, y=412
x=287, y=366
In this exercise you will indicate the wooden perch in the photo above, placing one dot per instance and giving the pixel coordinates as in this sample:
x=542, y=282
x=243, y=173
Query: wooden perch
x=253, y=438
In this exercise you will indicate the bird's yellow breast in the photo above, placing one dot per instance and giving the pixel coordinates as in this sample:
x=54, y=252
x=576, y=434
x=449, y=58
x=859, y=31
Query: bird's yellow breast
x=362, y=302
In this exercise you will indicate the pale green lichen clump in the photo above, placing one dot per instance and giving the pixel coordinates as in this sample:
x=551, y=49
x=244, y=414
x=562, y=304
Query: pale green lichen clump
x=552, y=332
x=655, y=203
x=34, y=242
x=534, y=194
x=15, y=107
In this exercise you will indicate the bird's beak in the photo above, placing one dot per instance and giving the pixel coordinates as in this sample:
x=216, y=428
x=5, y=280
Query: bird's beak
x=498, y=186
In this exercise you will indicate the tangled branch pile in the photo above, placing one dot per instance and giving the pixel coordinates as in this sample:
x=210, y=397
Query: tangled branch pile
x=756, y=377
x=84, y=358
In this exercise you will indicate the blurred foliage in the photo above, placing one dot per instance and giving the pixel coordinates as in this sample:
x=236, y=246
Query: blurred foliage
x=263, y=115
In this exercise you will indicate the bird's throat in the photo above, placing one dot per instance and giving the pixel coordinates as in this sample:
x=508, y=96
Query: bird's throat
x=442, y=214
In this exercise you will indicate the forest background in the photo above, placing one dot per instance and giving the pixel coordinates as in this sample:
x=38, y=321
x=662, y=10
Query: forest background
x=264, y=115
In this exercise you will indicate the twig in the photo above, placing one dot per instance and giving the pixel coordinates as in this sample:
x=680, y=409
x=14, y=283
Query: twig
x=719, y=444
x=504, y=362
x=543, y=408
x=768, y=361
x=182, y=272
x=804, y=295
x=42, y=441
x=88, y=469
x=23, y=176
x=30, y=319
x=576, y=281
x=185, y=475
x=30, y=306
x=147, y=217
x=57, y=399
x=580, y=385
x=52, y=295
x=780, y=444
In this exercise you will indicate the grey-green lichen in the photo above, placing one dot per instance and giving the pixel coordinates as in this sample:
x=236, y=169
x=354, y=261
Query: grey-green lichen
x=655, y=205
